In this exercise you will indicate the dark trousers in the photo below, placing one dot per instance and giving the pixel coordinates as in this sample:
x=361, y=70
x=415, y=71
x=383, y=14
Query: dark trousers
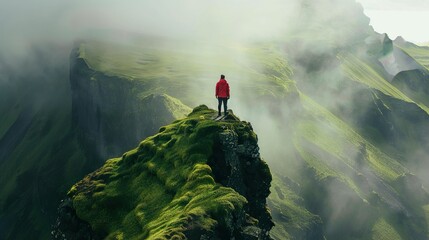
x=225, y=104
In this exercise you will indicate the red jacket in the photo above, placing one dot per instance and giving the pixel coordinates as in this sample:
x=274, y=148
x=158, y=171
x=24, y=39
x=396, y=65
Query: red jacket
x=222, y=89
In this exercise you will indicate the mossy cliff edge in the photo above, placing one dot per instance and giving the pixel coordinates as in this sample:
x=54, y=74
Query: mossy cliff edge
x=196, y=179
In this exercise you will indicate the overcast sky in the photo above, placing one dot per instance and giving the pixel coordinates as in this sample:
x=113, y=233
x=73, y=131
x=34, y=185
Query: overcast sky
x=407, y=18
x=24, y=22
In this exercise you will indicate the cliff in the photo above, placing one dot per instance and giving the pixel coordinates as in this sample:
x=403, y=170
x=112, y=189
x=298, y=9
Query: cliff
x=341, y=114
x=110, y=112
x=196, y=179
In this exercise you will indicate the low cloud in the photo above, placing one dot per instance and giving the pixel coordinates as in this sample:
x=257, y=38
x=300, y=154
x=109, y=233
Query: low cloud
x=23, y=24
x=61, y=22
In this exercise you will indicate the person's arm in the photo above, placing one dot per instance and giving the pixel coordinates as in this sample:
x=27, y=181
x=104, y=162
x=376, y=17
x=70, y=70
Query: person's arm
x=227, y=90
x=217, y=90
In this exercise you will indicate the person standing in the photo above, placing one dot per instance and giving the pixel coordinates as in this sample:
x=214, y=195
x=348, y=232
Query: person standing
x=222, y=94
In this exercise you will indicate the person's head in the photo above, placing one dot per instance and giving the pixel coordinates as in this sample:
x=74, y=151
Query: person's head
x=222, y=76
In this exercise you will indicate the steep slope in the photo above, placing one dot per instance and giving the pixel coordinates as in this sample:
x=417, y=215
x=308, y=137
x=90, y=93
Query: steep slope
x=337, y=149
x=113, y=113
x=345, y=149
x=419, y=53
x=341, y=114
x=54, y=130
x=343, y=168
x=197, y=178
x=37, y=144
x=355, y=136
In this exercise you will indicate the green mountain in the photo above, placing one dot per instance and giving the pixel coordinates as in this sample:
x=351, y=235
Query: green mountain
x=40, y=155
x=341, y=114
x=55, y=131
x=197, y=178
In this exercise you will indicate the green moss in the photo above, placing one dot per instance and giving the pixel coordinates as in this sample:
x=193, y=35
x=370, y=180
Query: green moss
x=164, y=186
x=426, y=213
x=382, y=230
x=289, y=212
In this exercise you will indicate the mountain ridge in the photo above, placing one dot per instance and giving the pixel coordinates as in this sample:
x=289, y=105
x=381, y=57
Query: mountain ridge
x=341, y=121
x=217, y=189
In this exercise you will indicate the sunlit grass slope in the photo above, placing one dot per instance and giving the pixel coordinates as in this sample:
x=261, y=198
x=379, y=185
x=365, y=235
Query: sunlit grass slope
x=291, y=217
x=419, y=53
x=164, y=187
x=327, y=151
x=367, y=73
x=334, y=159
x=188, y=71
x=332, y=135
x=384, y=231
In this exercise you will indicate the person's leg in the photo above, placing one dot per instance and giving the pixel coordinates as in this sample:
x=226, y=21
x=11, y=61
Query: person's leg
x=219, y=105
x=225, y=104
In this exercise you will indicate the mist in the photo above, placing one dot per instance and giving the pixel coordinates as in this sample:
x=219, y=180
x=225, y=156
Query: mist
x=211, y=23
x=64, y=21
x=38, y=37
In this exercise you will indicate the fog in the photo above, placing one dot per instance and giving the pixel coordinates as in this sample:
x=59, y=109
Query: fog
x=24, y=24
x=30, y=30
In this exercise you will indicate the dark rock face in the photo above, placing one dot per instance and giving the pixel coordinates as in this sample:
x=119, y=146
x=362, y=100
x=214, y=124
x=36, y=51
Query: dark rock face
x=237, y=164
x=69, y=226
x=387, y=45
x=412, y=189
x=414, y=83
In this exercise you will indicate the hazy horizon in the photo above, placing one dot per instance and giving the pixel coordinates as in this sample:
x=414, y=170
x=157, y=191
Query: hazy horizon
x=24, y=24
x=399, y=18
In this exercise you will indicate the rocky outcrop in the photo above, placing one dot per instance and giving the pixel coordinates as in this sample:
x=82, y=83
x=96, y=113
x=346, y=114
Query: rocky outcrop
x=237, y=164
x=196, y=179
x=69, y=226
x=394, y=59
x=414, y=83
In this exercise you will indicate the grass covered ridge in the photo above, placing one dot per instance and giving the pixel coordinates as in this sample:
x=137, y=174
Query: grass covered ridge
x=366, y=73
x=419, y=53
x=164, y=188
x=186, y=70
